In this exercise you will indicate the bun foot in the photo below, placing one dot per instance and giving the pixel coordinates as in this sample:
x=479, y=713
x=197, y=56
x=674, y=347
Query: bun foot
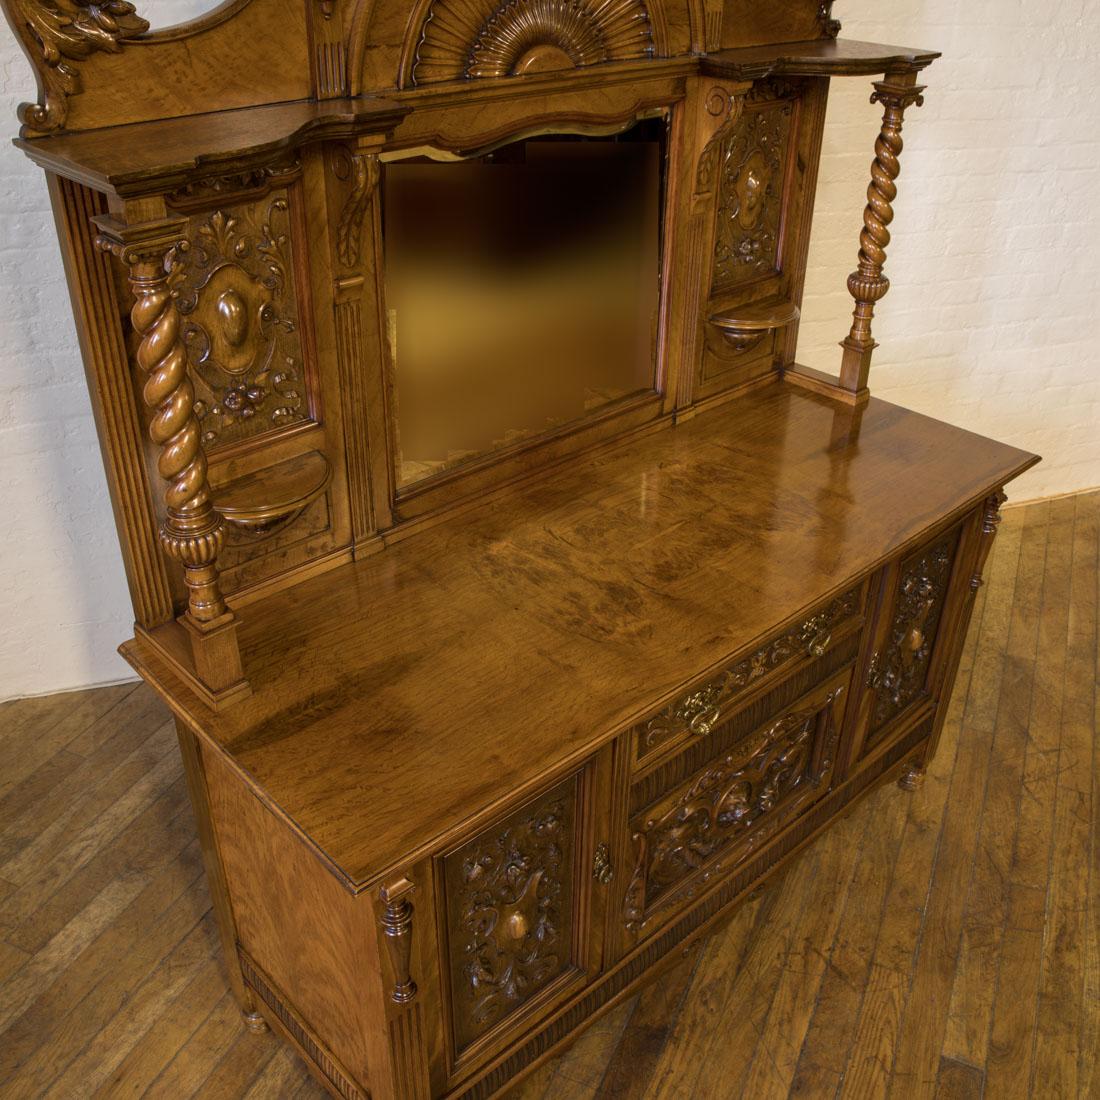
x=913, y=778
x=254, y=1022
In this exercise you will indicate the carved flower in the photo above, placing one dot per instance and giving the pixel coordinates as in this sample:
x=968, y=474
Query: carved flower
x=243, y=400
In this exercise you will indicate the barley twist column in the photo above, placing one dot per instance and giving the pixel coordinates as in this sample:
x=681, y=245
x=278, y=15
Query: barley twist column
x=867, y=284
x=193, y=532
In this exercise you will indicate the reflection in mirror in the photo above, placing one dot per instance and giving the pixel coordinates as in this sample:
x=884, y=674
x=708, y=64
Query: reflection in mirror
x=521, y=290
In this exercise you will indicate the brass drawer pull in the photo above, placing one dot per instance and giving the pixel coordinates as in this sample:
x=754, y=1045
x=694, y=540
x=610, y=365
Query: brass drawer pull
x=819, y=644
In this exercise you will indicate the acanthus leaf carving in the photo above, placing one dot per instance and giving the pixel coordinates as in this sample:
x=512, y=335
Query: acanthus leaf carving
x=700, y=711
x=234, y=290
x=59, y=33
x=470, y=39
x=363, y=171
x=898, y=674
x=751, y=183
x=728, y=808
x=510, y=905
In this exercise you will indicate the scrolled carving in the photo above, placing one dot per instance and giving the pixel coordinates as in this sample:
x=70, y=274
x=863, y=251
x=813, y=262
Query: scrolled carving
x=510, y=913
x=193, y=532
x=59, y=33
x=721, y=105
x=731, y=805
x=700, y=711
x=234, y=290
x=470, y=39
x=898, y=674
x=363, y=172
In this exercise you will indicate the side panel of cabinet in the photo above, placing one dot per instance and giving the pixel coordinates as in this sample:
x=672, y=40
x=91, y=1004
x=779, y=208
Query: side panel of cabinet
x=914, y=638
x=521, y=912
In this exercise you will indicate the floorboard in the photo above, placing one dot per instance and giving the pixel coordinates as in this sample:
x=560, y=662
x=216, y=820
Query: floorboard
x=942, y=945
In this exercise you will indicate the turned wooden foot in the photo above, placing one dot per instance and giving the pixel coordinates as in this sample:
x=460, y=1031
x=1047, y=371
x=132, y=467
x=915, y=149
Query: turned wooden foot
x=913, y=777
x=254, y=1022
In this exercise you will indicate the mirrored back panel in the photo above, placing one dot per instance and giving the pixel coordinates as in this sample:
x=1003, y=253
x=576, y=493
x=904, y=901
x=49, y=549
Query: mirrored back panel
x=522, y=290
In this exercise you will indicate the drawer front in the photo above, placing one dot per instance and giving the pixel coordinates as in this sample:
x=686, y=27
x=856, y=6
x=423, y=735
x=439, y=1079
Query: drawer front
x=700, y=711
x=901, y=668
x=711, y=820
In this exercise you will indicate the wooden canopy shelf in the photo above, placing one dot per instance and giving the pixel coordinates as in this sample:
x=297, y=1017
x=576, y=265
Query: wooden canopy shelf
x=821, y=57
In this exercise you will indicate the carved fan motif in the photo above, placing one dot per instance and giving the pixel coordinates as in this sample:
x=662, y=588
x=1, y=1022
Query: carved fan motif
x=466, y=39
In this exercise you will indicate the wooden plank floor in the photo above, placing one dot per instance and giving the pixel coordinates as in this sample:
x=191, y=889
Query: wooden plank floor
x=944, y=944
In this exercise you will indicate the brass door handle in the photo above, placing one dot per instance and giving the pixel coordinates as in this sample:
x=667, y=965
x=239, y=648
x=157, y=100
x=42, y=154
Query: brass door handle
x=819, y=644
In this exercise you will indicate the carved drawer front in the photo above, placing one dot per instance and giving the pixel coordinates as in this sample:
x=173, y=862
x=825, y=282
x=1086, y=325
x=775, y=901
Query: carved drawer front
x=702, y=710
x=901, y=667
x=715, y=816
x=511, y=904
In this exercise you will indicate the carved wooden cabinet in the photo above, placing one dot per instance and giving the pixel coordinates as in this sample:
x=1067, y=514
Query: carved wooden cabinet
x=522, y=602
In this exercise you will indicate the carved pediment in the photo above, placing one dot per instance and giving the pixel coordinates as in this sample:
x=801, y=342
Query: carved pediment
x=466, y=39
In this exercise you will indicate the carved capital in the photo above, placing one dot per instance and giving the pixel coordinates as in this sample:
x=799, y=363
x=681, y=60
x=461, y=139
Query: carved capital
x=991, y=521
x=898, y=95
x=397, y=926
x=193, y=532
x=56, y=36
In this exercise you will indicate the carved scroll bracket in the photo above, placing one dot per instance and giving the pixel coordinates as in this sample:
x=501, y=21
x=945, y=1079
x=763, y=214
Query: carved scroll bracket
x=193, y=532
x=867, y=284
x=397, y=927
x=56, y=36
x=360, y=171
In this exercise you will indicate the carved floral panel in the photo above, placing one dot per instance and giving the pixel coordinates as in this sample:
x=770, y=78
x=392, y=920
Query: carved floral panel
x=750, y=190
x=510, y=912
x=729, y=807
x=900, y=672
x=235, y=286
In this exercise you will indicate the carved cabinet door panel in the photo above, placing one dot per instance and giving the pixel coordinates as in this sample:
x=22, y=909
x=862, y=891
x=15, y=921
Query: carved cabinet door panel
x=522, y=909
x=691, y=824
x=918, y=597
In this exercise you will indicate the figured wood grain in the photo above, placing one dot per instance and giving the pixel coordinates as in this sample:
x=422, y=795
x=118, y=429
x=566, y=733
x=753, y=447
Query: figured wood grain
x=621, y=547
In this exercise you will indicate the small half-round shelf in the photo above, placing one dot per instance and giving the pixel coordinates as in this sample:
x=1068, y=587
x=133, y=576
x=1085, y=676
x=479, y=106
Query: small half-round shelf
x=743, y=327
x=263, y=501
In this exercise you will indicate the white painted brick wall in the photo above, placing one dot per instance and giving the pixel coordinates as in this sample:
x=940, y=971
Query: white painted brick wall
x=993, y=321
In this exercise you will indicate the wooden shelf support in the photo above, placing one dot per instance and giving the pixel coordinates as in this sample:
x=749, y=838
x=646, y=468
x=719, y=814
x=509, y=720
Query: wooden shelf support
x=193, y=532
x=867, y=284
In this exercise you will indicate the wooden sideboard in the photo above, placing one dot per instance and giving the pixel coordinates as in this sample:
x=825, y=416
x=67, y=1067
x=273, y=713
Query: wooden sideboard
x=487, y=714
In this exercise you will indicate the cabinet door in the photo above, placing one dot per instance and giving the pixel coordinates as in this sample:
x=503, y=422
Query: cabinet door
x=916, y=595
x=523, y=913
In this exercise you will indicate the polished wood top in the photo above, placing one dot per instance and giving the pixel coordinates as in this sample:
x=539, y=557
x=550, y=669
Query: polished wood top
x=396, y=697
x=820, y=57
